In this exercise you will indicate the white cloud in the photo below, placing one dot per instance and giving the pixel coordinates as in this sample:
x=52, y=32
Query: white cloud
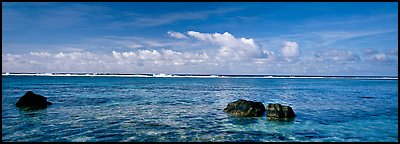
x=378, y=57
x=8, y=58
x=231, y=48
x=149, y=55
x=341, y=55
x=290, y=50
x=370, y=51
x=375, y=55
x=177, y=35
x=164, y=57
x=40, y=54
x=57, y=62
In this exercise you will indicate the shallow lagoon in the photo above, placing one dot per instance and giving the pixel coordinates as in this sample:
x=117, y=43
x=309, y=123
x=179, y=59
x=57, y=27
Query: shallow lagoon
x=191, y=109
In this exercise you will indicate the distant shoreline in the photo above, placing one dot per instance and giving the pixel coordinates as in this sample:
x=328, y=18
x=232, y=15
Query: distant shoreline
x=195, y=75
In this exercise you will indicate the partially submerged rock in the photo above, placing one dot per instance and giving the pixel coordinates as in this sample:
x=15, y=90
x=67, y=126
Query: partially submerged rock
x=244, y=108
x=278, y=111
x=32, y=101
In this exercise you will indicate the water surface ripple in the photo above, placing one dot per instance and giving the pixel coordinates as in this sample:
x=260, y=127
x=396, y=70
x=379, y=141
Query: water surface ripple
x=92, y=109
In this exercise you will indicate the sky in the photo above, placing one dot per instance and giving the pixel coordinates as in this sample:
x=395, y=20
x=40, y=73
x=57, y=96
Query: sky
x=288, y=38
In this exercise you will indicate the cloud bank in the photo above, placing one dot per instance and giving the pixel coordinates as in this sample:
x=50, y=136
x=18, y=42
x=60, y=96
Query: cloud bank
x=218, y=53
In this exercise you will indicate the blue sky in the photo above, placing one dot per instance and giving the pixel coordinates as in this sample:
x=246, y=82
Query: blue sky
x=208, y=37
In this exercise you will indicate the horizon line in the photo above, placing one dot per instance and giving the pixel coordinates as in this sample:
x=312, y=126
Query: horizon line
x=185, y=74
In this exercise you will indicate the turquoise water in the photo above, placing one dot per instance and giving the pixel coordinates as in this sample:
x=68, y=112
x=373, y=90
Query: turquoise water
x=93, y=109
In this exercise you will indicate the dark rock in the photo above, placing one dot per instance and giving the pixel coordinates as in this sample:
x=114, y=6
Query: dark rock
x=277, y=111
x=245, y=108
x=32, y=101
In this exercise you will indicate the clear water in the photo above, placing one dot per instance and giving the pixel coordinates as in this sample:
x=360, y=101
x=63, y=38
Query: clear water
x=191, y=109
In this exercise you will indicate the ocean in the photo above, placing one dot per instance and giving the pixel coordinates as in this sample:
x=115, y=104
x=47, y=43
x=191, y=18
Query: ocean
x=162, y=109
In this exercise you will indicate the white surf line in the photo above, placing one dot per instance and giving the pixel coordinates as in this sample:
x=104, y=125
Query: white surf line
x=212, y=76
